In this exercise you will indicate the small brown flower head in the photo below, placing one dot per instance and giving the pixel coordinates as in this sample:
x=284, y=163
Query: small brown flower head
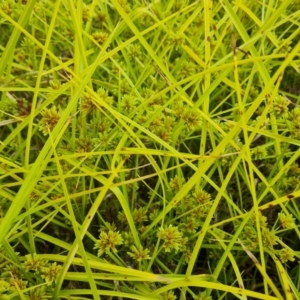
x=9, y=106
x=128, y=239
x=87, y=105
x=139, y=254
x=202, y=296
x=16, y=284
x=186, y=203
x=290, y=183
x=201, y=211
x=187, y=254
x=84, y=145
x=34, y=263
x=177, y=40
x=124, y=86
x=286, y=221
x=172, y=238
x=55, y=84
x=192, y=119
x=86, y=14
x=23, y=107
x=134, y=50
x=169, y=121
x=68, y=33
x=180, y=110
x=11, y=271
x=263, y=221
x=147, y=93
x=140, y=214
x=263, y=124
x=176, y=183
x=128, y=103
x=286, y=254
x=49, y=120
x=108, y=241
x=38, y=294
x=100, y=37
x=51, y=273
x=21, y=55
x=141, y=119
x=101, y=124
x=169, y=296
x=116, y=68
x=201, y=196
x=103, y=94
x=122, y=217
x=186, y=70
x=259, y=152
x=295, y=133
x=164, y=134
x=156, y=121
x=8, y=7
x=294, y=169
x=269, y=238
x=99, y=17
x=34, y=197
x=155, y=213
x=142, y=229
x=103, y=141
x=27, y=43
x=190, y=225
x=280, y=107
x=295, y=117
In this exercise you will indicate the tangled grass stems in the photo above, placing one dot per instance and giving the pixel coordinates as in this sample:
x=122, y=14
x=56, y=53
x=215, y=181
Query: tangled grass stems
x=149, y=150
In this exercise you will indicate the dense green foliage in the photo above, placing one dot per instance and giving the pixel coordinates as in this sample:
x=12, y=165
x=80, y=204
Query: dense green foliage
x=149, y=150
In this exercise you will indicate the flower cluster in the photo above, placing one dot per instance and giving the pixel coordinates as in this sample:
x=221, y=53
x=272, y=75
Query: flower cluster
x=172, y=238
x=108, y=241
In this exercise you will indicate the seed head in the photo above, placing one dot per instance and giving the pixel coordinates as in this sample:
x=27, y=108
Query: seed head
x=50, y=118
x=139, y=253
x=172, y=238
x=108, y=241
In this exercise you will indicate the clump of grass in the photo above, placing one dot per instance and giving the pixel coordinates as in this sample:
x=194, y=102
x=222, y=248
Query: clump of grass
x=149, y=150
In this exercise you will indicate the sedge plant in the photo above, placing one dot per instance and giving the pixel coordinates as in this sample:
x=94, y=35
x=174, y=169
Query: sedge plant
x=149, y=149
